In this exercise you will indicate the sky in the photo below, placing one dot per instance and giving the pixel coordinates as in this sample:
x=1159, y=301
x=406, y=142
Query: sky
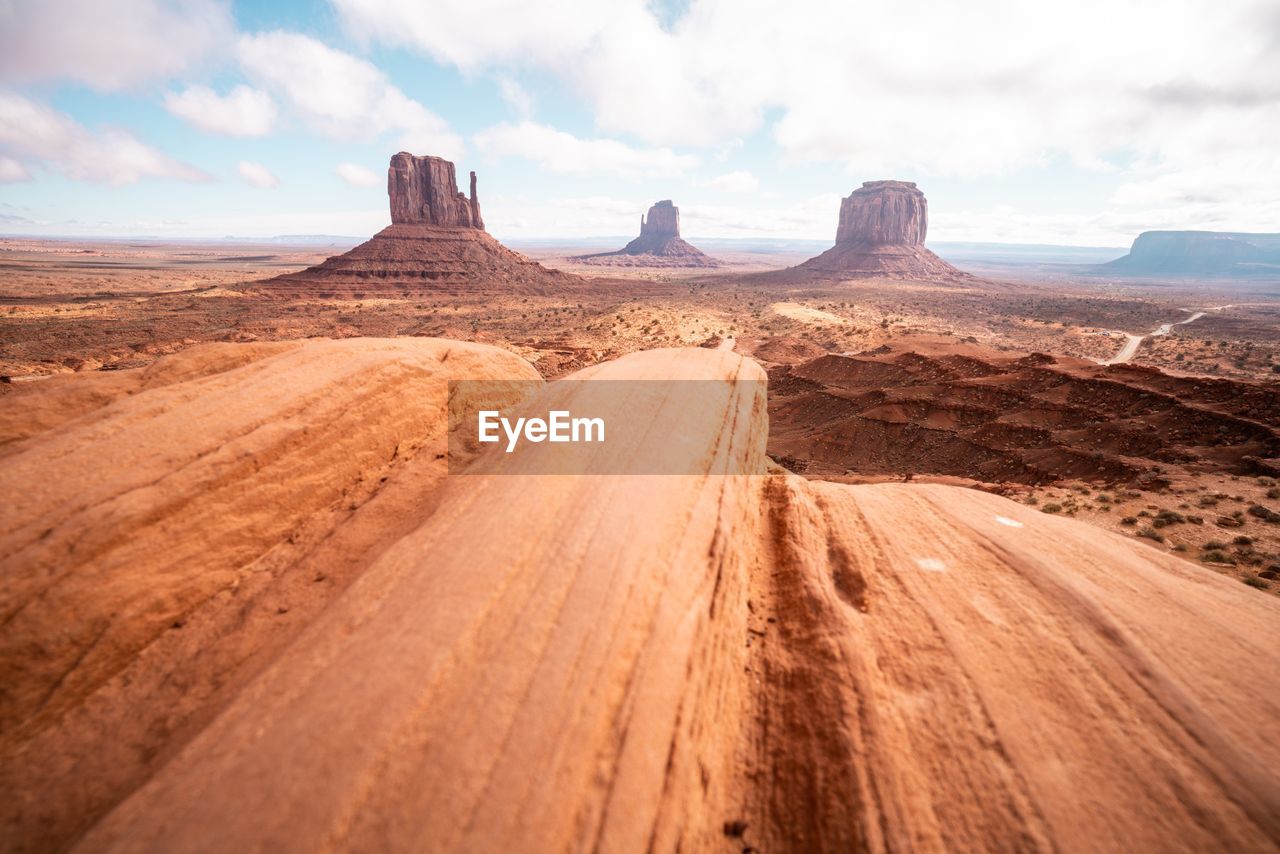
x=1073, y=123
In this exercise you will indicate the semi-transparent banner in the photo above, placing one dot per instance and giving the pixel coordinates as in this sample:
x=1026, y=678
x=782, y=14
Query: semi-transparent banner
x=607, y=427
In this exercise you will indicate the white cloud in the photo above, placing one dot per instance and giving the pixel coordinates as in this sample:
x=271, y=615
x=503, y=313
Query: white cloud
x=241, y=112
x=35, y=133
x=108, y=46
x=11, y=171
x=975, y=89
x=735, y=182
x=340, y=95
x=516, y=96
x=357, y=176
x=558, y=151
x=257, y=175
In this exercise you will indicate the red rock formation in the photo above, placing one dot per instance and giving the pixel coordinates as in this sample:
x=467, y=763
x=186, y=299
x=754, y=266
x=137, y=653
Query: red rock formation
x=436, y=243
x=893, y=212
x=425, y=190
x=663, y=221
x=881, y=233
x=659, y=244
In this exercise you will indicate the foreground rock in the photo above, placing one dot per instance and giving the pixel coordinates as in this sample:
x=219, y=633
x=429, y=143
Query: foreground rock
x=684, y=662
x=1200, y=252
x=179, y=524
x=881, y=232
x=659, y=244
x=436, y=244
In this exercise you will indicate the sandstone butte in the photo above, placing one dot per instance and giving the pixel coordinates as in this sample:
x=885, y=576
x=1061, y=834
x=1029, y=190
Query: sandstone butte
x=881, y=232
x=288, y=630
x=659, y=244
x=436, y=244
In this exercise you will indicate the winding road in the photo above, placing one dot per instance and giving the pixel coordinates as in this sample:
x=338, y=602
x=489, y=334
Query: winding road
x=1133, y=342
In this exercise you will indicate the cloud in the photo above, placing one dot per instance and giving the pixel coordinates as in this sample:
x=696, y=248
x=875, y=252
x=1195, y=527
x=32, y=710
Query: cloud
x=241, y=112
x=35, y=133
x=970, y=90
x=735, y=182
x=257, y=175
x=108, y=46
x=558, y=151
x=342, y=96
x=516, y=96
x=11, y=171
x=357, y=176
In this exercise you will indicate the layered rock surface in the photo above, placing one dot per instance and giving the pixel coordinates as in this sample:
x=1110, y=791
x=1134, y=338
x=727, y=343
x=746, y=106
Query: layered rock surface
x=881, y=232
x=692, y=660
x=425, y=190
x=973, y=412
x=436, y=244
x=659, y=244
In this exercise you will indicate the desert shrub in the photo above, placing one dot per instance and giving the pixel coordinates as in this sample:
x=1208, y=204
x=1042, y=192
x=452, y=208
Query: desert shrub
x=1151, y=534
x=1128, y=520
x=1052, y=507
x=1168, y=517
x=1257, y=582
x=1103, y=497
x=1214, y=544
x=1273, y=492
x=1218, y=557
x=1242, y=540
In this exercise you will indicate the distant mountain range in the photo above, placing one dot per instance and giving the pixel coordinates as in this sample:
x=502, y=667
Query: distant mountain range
x=1200, y=252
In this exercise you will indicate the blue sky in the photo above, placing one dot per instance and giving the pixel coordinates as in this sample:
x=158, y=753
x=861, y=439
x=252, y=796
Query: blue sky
x=1079, y=123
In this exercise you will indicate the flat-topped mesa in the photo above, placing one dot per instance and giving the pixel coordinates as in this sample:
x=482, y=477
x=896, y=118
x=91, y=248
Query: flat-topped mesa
x=425, y=190
x=663, y=220
x=891, y=213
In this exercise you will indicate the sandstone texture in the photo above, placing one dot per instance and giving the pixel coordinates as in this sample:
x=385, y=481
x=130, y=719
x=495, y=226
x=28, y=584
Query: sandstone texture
x=976, y=412
x=436, y=244
x=659, y=244
x=514, y=661
x=893, y=212
x=425, y=190
x=881, y=232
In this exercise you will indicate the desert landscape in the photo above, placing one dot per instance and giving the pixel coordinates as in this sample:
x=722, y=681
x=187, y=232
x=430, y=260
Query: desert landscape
x=908, y=479
x=915, y=595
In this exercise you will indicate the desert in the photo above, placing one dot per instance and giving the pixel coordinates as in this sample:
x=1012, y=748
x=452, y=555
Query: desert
x=386, y=490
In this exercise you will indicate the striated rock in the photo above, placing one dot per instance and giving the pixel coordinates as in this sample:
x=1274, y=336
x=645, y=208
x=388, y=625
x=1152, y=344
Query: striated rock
x=881, y=232
x=663, y=221
x=974, y=412
x=889, y=212
x=659, y=244
x=424, y=190
x=180, y=508
x=801, y=665
x=436, y=243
